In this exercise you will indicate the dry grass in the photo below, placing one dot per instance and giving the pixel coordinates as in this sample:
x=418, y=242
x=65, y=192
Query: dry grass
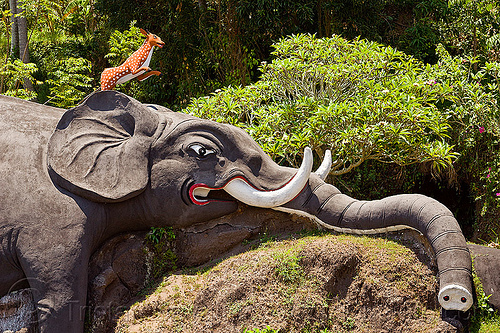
x=312, y=284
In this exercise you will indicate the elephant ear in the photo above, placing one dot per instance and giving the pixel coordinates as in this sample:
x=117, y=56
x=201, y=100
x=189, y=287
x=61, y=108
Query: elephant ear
x=100, y=148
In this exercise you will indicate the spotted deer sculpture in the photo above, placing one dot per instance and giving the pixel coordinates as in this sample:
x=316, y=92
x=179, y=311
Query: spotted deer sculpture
x=136, y=66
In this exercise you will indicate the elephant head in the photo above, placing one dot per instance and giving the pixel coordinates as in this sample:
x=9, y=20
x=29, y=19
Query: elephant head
x=182, y=170
x=111, y=149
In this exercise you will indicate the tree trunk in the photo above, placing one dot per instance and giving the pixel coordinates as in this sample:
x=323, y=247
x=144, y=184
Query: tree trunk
x=14, y=33
x=22, y=25
x=19, y=46
x=474, y=47
x=202, y=5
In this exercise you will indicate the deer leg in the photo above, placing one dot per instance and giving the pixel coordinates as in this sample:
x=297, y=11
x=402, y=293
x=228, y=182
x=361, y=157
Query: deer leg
x=145, y=69
x=144, y=76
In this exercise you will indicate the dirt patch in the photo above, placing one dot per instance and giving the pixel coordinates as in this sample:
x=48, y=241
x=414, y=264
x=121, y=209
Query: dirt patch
x=328, y=284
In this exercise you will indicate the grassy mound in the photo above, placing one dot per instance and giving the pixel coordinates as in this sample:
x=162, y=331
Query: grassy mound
x=312, y=284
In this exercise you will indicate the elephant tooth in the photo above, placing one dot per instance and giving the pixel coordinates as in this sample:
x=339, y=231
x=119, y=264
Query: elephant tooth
x=201, y=192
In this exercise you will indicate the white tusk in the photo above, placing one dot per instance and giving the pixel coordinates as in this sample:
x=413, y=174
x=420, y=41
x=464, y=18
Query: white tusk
x=325, y=166
x=244, y=192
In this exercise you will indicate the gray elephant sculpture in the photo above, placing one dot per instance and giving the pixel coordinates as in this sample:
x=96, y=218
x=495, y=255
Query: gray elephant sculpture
x=113, y=165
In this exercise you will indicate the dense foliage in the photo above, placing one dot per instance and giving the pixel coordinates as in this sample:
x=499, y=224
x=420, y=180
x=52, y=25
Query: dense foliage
x=212, y=44
x=360, y=99
x=365, y=101
x=404, y=92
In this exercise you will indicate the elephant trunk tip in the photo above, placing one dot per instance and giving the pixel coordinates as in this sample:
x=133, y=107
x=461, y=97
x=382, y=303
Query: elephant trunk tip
x=455, y=297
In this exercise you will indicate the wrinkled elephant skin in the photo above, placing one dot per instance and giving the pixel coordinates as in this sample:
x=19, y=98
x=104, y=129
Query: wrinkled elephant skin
x=70, y=180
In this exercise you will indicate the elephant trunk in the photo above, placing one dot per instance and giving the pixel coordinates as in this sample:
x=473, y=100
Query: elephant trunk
x=334, y=210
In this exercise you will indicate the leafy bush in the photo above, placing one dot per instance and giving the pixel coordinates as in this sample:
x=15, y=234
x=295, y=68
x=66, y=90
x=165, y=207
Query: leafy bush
x=484, y=318
x=472, y=109
x=365, y=101
x=211, y=44
x=159, y=248
x=12, y=75
x=68, y=81
x=472, y=27
x=360, y=99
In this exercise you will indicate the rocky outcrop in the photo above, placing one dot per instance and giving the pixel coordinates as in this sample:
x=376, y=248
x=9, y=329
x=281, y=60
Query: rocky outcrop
x=225, y=236
x=116, y=273
x=486, y=262
x=329, y=283
x=121, y=268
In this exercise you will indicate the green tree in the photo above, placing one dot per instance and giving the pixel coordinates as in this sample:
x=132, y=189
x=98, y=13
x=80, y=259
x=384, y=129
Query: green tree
x=474, y=114
x=19, y=38
x=42, y=33
x=68, y=81
x=212, y=44
x=12, y=73
x=369, y=102
x=473, y=27
x=360, y=99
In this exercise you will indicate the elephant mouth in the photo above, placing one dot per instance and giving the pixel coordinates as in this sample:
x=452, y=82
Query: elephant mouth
x=242, y=190
x=200, y=194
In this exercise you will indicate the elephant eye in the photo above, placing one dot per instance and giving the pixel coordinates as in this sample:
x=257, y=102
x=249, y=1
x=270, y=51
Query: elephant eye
x=200, y=150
